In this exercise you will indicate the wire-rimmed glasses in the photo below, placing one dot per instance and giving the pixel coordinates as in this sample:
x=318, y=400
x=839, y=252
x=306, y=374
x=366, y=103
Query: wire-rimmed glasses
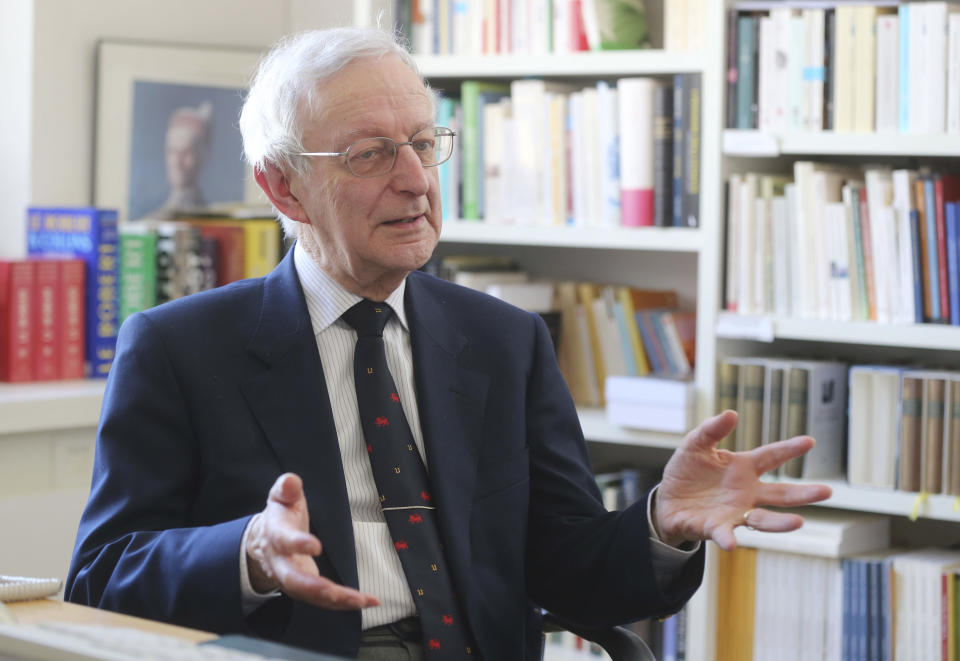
x=373, y=157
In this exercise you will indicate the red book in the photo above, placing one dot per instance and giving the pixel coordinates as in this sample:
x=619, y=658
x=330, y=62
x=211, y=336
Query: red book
x=946, y=188
x=46, y=344
x=71, y=318
x=16, y=323
x=232, y=249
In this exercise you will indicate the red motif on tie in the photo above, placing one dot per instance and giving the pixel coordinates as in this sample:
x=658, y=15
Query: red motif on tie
x=434, y=644
x=425, y=495
x=447, y=620
x=416, y=518
x=381, y=422
x=369, y=448
x=400, y=545
x=394, y=397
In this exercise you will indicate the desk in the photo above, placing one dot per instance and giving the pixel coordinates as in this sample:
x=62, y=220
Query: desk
x=52, y=610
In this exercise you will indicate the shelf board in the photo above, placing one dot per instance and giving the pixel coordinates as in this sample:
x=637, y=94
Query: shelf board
x=51, y=405
x=661, y=239
x=597, y=428
x=888, y=501
x=756, y=143
x=763, y=328
x=583, y=64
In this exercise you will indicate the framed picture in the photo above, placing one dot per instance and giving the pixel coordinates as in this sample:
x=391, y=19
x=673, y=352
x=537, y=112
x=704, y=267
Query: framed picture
x=167, y=136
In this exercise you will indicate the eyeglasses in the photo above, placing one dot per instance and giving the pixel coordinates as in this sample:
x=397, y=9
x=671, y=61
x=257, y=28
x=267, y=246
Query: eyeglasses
x=372, y=157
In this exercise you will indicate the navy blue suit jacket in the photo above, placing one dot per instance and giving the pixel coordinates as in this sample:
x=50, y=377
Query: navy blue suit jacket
x=212, y=397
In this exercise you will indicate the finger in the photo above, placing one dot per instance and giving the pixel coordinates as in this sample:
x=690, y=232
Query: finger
x=287, y=490
x=767, y=457
x=323, y=592
x=723, y=537
x=287, y=541
x=792, y=495
x=712, y=430
x=767, y=521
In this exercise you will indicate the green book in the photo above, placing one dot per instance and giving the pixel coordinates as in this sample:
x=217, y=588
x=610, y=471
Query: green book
x=474, y=94
x=138, y=269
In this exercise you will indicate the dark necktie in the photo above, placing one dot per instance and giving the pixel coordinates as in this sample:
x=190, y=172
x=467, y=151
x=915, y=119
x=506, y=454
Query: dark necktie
x=404, y=488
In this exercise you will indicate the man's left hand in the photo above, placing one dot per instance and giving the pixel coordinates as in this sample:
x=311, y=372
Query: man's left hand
x=706, y=492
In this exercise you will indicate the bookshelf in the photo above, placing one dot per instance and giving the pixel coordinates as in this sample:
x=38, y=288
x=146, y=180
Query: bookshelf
x=933, y=345
x=686, y=259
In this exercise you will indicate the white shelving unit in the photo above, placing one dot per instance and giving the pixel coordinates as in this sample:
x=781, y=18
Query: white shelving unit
x=630, y=249
x=48, y=406
x=761, y=334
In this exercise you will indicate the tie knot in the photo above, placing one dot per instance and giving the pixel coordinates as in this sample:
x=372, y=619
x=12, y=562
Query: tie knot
x=368, y=317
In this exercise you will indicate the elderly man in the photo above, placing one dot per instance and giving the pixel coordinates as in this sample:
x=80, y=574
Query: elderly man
x=426, y=480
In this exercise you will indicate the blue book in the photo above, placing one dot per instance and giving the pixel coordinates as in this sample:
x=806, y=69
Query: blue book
x=446, y=109
x=953, y=259
x=903, y=116
x=679, y=140
x=917, y=266
x=933, y=257
x=846, y=610
x=746, y=69
x=668, y=650
x=650, y=344
x=89, y=234
x=624, y=332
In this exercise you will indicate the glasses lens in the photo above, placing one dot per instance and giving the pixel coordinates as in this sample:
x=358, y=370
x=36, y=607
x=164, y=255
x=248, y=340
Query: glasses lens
x=371, y=157
x=433, y=145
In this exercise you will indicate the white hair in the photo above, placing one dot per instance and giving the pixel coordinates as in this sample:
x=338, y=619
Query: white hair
x=285, y=86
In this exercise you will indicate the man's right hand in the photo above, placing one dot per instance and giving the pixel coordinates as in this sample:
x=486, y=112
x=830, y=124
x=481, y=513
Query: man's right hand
x=280, y=552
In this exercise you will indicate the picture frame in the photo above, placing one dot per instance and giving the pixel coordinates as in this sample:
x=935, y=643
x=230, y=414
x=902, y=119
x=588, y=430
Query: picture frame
x=150, y=98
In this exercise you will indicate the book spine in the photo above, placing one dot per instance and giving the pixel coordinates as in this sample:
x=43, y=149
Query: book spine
x=46, y=344
x=868, y=261
x=679, y=131
x=103, y=296
x=261, y=247
x=932, y=451
x=910, y=434
x=73, y=275
x=635, y=101
x=732, y=68
x=953, y=475
x=746, y=64
x=952, y=222
x=691, y=152
x=16, y=320
x=797, y=380
x=663, y=156
x=728, y=380
x=943, y=282
x=138, y=272
x=472, y=170
x=751, y=413
x=903, y=50
x=933, y=249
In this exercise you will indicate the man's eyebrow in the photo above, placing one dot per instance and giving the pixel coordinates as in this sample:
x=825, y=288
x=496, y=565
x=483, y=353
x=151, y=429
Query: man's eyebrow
x=347, y=136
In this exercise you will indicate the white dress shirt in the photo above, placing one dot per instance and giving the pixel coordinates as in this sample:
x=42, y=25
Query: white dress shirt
x=378, y=566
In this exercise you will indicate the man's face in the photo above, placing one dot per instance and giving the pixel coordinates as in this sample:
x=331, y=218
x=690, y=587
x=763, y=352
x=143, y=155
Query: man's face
x=184, y=155
x=370, y=232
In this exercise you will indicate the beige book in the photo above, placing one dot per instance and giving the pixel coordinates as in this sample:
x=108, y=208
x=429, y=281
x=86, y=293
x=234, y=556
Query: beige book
x=910, y=434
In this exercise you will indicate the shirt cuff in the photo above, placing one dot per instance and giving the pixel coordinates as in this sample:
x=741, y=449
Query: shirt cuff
x=250, y=599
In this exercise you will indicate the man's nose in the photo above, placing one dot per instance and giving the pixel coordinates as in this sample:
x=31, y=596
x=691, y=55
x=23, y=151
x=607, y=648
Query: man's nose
x=408, y=171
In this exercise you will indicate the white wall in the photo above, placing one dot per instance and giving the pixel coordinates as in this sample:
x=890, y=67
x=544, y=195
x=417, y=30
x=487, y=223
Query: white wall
x=16, y=70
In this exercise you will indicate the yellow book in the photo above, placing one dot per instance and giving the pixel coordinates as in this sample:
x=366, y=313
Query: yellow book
x=261, y=247
x=586, y=293
x=636, y=342
x=736, y=586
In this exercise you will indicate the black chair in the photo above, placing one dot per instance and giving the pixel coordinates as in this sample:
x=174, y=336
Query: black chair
x=619, y=642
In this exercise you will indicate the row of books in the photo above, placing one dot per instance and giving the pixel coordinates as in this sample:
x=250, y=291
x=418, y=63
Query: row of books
x=844, y=67
x=520, y=27
x=836, y=590
x=164, y=260
x=904, y=429
x=599, y=330
x=535, y=152
x=782, y=398
x=845, y=243
x=42, y=312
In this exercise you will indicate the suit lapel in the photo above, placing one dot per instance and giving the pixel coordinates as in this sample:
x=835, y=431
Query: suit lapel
x=451, y=401
x=289, y=399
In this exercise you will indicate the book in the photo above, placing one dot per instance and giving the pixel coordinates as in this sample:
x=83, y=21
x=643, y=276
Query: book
x=474, y=94
x=931, y=449
x=663, y=149
x=952, y=223
x=825, y=533
x=16, y=320
x=750, y=406
x=911, y=433
x=45, y=322
x=952, y=441
x=728, y=380
x=138, y=268
x=71, y=301
x=576, y=354
x=231, y=246
x=796, y=415
x=874, y=421
x=652, y=403
x=691, y=150
x=90, y=234
x=635, y=98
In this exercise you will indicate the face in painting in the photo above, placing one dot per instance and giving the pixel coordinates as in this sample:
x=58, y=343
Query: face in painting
x=369, y=233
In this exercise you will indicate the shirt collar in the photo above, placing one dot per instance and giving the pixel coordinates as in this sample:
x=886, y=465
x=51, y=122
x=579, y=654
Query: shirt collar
x=327, y=300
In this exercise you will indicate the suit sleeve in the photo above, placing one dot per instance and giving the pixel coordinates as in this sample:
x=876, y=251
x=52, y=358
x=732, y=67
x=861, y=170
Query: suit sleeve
x=140, y=549
x=583, y=563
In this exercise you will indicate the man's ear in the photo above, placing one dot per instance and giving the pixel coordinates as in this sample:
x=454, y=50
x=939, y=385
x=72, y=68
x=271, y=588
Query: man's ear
x=274, y=183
